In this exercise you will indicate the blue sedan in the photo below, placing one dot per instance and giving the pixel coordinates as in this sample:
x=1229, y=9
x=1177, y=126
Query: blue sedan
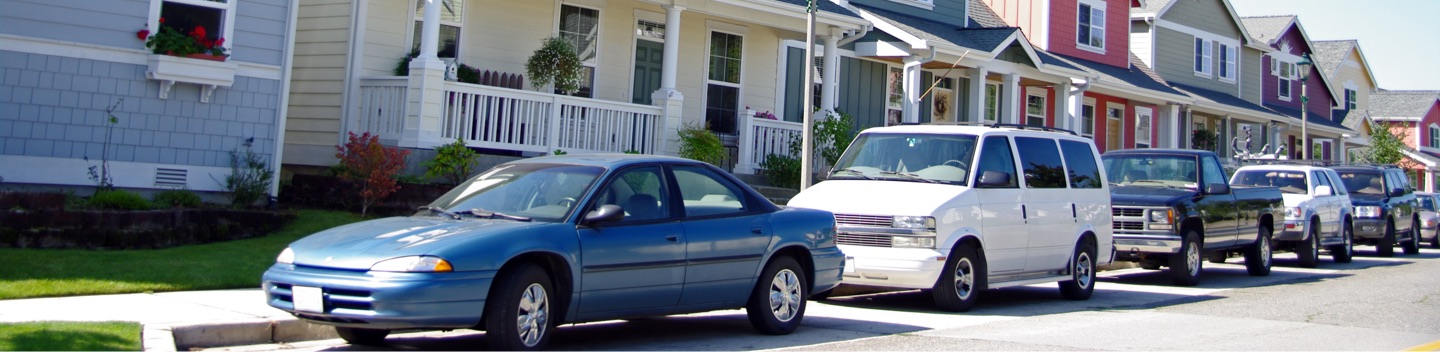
x=532, y=244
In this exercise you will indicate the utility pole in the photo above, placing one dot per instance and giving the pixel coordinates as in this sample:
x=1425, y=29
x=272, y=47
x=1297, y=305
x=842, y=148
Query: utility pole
x=806, y=140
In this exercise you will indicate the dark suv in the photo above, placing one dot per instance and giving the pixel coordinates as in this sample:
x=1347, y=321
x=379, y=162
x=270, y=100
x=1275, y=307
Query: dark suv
x=1385, y=207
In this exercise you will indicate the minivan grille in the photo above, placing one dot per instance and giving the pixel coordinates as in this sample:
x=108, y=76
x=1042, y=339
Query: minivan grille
x=863, y=220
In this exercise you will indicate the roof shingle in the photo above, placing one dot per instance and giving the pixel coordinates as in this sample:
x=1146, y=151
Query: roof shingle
x=1267, y=28
x=1329, y=54
x=1408, y=104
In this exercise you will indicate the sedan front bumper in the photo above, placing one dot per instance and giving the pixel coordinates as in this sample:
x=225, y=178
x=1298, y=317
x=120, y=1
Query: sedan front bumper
x=382, y=300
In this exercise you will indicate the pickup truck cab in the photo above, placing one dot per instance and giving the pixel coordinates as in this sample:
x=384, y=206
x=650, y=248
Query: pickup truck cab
x=1386, y=212
x=1317, y=209
x=1172, y=207
x=958, y=209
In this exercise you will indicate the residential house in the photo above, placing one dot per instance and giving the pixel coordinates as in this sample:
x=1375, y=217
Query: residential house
x=1201, y=48
x=1123, y=104
x=78, y=95
x=1345, y=63
x=1286, y=90
x=1414, y=117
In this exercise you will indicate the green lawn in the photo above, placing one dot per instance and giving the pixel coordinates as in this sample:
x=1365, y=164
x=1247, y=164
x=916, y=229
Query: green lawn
x=70, y=336
x=29, y=273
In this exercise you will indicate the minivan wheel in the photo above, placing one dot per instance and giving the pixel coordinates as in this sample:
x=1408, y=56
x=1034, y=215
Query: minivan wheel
x=361, y=336
x=1344, y=252
x=1082, y=272
x=1413, y=245
x=777, y=303
x=1185, y=266
x=959, y=286
x=1309, y=248
x=1258, y=256
x=1386, y=247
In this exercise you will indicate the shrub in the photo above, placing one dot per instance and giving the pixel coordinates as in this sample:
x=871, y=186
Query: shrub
x=180, y=198
x=371, y=165
x=119, y=200
x=700, y=144
x=833, y=135
x=454, y=162
x=403, y=68
x=249, y=178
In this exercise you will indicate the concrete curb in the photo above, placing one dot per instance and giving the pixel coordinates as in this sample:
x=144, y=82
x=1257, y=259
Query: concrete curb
x=183, y=337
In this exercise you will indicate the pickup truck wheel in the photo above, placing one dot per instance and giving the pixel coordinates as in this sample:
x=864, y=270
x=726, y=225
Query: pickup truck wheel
x=1258, y=256
x=1386, y=247
x=1413, y=245
x=777, y=303
x=1082, y=273
x=1309, y=249
x=360, y=336
x=1345, y=251
x=961, y=282
x=1185, y=266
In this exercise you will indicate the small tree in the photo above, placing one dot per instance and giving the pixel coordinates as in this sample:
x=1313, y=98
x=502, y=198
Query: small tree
x=555, y=62
x=372, y=166
x=454, y=162
x=700, y=144
x=1385, y=146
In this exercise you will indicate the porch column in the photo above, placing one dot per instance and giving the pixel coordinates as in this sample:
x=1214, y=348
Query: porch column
x=1063, y=119
x=1170, y=117
x=1011, y=100
x=830, y=87
x=426, y=92
x=975, y=109
x=1075, y=105
x=670, y=100
x=912, y=89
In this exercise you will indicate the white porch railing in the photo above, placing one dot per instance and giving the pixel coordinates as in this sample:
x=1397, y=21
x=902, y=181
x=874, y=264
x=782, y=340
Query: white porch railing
x=382, y=106
x=762, y=137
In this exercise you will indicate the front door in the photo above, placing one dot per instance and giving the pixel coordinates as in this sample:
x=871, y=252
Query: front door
x=638, y=262
x=649, y=61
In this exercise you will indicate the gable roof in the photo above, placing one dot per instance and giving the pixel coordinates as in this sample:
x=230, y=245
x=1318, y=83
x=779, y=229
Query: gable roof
x=1209, y=98
x=989, y=40
x=1330, y=54
x=1155, y=8
x=1134, y=78
x=1268, y=29
x=825, y=6
x=1314, y=118
x=981, y=15
x=1402, y=105
x=1355, y=119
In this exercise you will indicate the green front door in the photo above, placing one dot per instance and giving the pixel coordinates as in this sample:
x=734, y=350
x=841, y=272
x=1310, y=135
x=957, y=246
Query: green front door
x=649, y=61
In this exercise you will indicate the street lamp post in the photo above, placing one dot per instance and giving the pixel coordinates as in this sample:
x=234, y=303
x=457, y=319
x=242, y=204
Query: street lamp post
x=1304, y=67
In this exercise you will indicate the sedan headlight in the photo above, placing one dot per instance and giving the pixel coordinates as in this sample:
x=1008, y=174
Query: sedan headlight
x=912, y=242
x=913, y=222
x=1292, y=213
x=287, y=256
x=414, y=264
x=1367, y=211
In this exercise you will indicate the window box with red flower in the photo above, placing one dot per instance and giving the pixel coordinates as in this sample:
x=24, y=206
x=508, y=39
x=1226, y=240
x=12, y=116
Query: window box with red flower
x=193, y=56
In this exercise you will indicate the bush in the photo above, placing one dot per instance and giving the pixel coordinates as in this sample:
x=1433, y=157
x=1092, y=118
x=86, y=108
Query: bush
x=371, y=165
x=403, y=68
x=833, y=136
x=700, y=144
x=180, y=198
x=249, y=179
x=119, y=200
x=454, y=162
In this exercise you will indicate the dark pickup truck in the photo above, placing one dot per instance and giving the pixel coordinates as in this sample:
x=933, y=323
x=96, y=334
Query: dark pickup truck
x=1174, y=207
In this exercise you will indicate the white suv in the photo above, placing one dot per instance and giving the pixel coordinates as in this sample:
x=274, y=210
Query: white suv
x=959, y=209
x=1317, y=209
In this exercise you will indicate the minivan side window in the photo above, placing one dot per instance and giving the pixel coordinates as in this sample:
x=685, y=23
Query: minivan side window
x=1041, y=160
x=1080, y=161
x=995, y=156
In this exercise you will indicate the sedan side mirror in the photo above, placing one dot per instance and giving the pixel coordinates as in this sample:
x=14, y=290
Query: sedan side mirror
x=1324, y=191
x=991, y=179
x=605, y=213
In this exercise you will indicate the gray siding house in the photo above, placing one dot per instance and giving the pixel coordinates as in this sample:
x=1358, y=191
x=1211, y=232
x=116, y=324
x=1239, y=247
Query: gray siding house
x=64, y=64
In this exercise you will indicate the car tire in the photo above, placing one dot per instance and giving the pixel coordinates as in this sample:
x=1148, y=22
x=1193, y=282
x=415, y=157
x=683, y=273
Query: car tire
x=1435, y=241
x=1082, y=272
x=960, y=284
x=1345, y=251
x=1412, y=247
x=361, y=336
x=518, y=311
x=1185, y=266
x=1309, y=249
x=777, y=304
x=1259, y=257
x=1386, y=247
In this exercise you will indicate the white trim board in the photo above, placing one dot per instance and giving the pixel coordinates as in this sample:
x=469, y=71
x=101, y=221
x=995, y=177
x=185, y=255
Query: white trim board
x=65, y=171
x=85, y=51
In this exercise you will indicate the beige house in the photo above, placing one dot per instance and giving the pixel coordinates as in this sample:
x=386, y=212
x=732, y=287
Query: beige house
x=1345, y=64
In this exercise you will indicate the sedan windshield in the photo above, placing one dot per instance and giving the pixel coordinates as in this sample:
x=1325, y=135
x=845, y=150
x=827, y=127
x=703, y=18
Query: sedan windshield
x=542, y=192
x=911, y=157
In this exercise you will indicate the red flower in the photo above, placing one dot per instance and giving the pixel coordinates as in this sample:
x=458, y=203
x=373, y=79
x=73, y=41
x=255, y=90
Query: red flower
x=220, y=42
x=198, y=32
x=142, y=34
x=162, y=20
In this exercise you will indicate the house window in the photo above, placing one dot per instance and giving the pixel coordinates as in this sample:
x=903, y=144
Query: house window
x=1286, y=74
x=452, y=17
x=185, y=16
x=1203, y=56
x=1350, y=99
x=1090, y=27
x=581, y=27
x=1087, y=120
x=1035, y=110
x=1142, y=127
x=894, y=95
x=722, y=96
x=1227, y=63
x=992, y=102
x=1434, y=137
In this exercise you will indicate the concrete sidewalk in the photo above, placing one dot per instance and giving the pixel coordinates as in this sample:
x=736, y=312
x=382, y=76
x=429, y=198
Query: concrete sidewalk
x=174, y=320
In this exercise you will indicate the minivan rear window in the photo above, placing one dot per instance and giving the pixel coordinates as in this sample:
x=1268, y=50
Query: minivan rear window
x=1080, y=161
x=1041, y=160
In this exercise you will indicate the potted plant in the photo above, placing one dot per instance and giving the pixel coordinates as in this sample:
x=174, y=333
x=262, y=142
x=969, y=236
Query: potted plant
x=555, y=62
x=195, y=44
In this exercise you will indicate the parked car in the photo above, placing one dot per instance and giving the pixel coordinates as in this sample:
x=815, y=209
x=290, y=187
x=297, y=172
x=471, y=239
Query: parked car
x=1385, y=207
x=532, y=244
x=1317, y=209
x=1429, y=218
x=1173, y=207
x=959, y=209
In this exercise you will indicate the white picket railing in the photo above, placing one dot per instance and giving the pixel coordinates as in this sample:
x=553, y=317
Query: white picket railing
x=381, y=108
x=762, y=137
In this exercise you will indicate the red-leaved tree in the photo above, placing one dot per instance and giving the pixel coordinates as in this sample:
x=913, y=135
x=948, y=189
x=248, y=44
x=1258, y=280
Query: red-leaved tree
x=371, y=165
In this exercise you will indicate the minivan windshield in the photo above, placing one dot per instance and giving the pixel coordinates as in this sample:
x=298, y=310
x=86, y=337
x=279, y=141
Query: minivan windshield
x=543, y=192
x=911, y=157
x=1153, y=169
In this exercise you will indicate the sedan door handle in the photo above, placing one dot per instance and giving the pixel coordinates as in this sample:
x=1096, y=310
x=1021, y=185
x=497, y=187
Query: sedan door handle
x=672, y=238
x=757, y=230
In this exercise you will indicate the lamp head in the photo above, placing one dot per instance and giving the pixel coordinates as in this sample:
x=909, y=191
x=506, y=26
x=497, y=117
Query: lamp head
x=1304, y=66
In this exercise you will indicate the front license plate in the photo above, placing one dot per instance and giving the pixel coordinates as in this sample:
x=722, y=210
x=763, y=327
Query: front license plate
x=849, y=265
x=308, y=299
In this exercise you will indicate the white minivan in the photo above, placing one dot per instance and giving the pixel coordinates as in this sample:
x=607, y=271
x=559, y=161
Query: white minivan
x=958, y=209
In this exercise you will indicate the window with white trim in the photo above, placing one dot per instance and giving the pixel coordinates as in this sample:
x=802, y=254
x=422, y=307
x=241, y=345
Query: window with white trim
x=452, y=18
x=894, y=95
x=1434, y=136
x=1035, y=109
x=1284, y=79
x=1090, y=25
x=1227, y=63
x=581, y=27
x=1350, y=96
x=992, y=102
x=1203, y=56
x=722, y=93
x=1087, y=120
x=212, y=17
x=1142, y=127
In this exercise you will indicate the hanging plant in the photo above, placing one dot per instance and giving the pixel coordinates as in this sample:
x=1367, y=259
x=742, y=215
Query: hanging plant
x=555, y=62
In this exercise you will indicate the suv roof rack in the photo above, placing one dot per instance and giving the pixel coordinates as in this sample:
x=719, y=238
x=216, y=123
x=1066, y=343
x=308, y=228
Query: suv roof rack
x=1325, y=163
x=1379, y=165
x=993, y=125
